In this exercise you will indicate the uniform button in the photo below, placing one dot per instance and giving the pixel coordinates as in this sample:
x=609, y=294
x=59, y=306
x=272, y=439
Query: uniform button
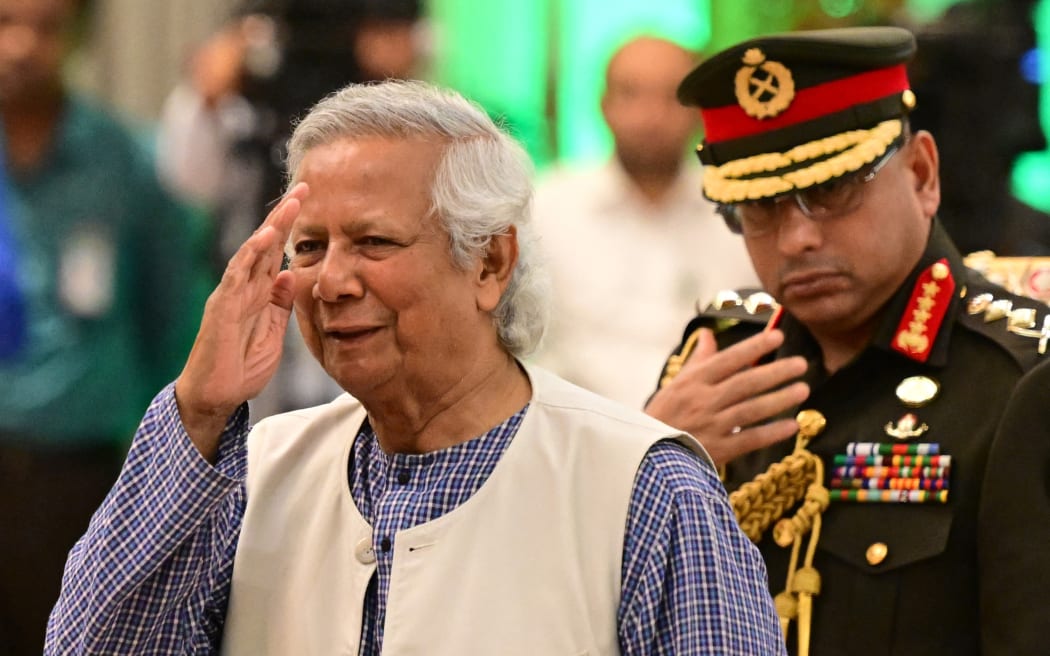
x=877, y=553
x=403, y=476
x=385, y=545
x=364, y=552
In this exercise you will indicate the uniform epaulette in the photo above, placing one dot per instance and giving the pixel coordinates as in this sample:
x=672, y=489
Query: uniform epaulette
x=1019, y=324
x=733, y=306
x=750, y=307
x=920, y=322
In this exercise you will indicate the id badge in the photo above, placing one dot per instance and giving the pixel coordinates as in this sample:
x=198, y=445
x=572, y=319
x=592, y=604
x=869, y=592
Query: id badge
x=86, y=271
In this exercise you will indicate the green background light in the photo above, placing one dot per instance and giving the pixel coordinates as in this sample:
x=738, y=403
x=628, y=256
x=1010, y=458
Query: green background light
x=1031, y=174
x=591, y=31
x=539, y=65
x=496, y=53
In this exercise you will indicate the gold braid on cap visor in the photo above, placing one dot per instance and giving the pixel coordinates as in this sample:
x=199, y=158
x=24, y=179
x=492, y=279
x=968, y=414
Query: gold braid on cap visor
x=740, y=180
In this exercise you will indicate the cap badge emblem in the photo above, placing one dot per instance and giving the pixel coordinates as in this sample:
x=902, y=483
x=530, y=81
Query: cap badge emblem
x=763, y=88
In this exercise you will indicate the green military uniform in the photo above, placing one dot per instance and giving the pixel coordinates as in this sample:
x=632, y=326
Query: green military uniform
x=879, y=497
x=900, y=578
x=916, y=591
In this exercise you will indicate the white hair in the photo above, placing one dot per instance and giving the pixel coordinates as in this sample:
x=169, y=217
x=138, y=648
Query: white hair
x=481, y=188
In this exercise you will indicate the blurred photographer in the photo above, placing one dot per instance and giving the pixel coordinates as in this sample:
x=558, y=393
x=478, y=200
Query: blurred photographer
x=223, y=129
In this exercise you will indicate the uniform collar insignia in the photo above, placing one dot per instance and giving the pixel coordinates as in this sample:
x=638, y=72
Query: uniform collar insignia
x=925, y=311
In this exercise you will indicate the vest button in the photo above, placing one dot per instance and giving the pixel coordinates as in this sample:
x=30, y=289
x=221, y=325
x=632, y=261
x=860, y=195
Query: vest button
x=364, y=552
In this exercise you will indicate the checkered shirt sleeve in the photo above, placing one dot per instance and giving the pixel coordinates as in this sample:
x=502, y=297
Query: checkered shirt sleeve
x=692, y=581
x=152, y=573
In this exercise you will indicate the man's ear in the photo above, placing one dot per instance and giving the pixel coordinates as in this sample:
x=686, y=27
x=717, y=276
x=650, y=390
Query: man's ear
x=495, y=269
x=925, y=164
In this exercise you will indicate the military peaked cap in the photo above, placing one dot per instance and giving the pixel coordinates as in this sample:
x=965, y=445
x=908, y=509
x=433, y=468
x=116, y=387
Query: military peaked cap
x=788, y=111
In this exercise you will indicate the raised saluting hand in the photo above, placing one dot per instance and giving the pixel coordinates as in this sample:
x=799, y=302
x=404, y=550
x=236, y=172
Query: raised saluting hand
x=239, y=343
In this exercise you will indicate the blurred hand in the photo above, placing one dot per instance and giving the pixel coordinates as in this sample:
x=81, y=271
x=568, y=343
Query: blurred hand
x=238, y=346
x=218, y=65
x=722, y=399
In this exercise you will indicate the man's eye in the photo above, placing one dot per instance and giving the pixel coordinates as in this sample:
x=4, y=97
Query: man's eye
x=306, y=246
x=373, y=240
x=833, y=186
x=831, y=193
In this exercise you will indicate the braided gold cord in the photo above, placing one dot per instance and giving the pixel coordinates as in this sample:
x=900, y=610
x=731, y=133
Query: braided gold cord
x=817, y=499
x=762, y=501
x=675, y=362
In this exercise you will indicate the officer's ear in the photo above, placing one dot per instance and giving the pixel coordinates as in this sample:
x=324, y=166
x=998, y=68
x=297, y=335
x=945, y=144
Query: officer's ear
x=924, y=161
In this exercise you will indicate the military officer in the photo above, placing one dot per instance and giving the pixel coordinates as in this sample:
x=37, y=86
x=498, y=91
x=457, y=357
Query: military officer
x=854, y=399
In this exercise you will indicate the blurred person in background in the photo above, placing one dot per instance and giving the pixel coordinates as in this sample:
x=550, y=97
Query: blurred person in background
x=12, y=299
x=247, y=85
x=634, y=245
x=105, y=274
x=224, y=128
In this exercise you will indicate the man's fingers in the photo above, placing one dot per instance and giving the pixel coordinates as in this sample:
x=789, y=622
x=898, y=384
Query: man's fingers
x=757, y=409
x=719, y=365
x=283, y=227
x=281, y=220
x=763, y=435
x=263, y=252
x=245, y=262
x=730, y=446
x=706, y=345
x=283, y=292
x=277, y=216
x=240, y=266
x=754, y=381
x=284, y=214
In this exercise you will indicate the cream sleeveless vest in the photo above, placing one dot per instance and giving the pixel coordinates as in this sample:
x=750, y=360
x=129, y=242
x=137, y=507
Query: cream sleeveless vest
x=529, y=565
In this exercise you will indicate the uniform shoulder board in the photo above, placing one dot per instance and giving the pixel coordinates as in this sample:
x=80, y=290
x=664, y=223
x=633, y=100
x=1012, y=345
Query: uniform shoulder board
x=746, y=310
x=749, y=305
x=1019, y=324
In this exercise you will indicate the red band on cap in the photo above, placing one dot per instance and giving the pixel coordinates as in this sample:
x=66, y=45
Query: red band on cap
x=730, y=122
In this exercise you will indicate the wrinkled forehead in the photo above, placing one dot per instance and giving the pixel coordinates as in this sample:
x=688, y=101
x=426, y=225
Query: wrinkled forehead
x=369, y=178
x=370, y=155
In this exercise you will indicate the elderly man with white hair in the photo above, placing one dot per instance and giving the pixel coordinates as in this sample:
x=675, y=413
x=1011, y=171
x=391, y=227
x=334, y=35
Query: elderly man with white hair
x=455, y=501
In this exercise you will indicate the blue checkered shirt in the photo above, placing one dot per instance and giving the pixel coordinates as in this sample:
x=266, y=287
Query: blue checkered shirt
x=152, y=574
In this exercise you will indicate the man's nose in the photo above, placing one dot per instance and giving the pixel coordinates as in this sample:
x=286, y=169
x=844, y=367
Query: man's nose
x=337, y=277
x=796, y=231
